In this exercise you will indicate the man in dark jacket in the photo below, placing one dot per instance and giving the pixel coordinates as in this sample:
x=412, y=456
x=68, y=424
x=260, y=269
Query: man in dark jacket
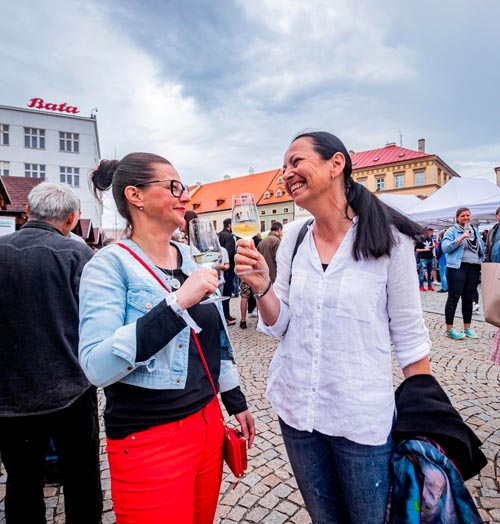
x=43, y=391
x=226, y=239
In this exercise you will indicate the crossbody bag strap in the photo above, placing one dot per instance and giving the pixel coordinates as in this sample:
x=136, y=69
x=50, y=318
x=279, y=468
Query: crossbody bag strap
x=193, y=334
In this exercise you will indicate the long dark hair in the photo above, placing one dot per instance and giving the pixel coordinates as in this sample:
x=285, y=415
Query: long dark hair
x=133, y=169
x=374, y=235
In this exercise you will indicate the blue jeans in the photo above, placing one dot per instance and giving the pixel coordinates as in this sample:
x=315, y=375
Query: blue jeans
x=442, y=274
x=342, y=482
x=425, y=265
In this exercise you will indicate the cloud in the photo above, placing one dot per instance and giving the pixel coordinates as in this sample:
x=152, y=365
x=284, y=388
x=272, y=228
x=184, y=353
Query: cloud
x=219, y=87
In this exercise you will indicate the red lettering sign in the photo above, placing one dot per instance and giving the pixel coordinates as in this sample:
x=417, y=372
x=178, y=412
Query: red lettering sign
x=38, y=103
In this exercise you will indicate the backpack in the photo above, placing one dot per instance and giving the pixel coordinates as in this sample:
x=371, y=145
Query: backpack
x=439, y=251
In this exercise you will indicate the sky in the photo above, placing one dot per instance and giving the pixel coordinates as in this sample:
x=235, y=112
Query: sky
x=221, y=87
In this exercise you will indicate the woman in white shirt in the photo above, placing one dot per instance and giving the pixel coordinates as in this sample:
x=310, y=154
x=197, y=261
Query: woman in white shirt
x=349, y=292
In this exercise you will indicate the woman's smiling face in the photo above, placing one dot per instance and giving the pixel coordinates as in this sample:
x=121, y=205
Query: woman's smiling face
x=306, y=174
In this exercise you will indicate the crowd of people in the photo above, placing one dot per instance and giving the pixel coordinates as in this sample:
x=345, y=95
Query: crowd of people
x=340, y=292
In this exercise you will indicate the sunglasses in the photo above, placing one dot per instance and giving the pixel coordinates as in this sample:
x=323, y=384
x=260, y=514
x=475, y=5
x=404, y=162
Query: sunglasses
x=176, y=187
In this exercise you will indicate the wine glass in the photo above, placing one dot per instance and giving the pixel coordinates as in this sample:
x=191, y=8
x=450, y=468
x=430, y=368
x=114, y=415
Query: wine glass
x=205, y=249
x=245, y=221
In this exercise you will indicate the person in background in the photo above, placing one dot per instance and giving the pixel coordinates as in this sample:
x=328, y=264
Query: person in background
x=441, y=260
x=188, y=216
x=222, y=267
x=226, y=240
x=464, y=250
x=269, y=247
x=257, y=239
x=425, y=250
x=493, y=241
x=44, y=393
x=163, y=425
x=350, y=291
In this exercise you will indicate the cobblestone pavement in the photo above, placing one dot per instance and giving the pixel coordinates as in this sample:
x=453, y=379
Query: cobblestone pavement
x=269, y=495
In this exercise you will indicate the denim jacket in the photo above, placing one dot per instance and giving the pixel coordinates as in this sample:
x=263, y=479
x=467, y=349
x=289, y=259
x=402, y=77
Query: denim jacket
x=115, y=291
x=454, y=254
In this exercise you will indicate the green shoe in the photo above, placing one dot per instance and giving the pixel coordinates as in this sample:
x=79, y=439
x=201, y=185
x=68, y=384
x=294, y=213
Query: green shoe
x=470, y=333
x=456, y=335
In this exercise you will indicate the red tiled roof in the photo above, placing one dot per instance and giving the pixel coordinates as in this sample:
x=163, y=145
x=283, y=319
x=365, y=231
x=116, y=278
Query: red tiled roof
x=17, y=189
x=217, y=196
x=277, y=191
x=385, y=155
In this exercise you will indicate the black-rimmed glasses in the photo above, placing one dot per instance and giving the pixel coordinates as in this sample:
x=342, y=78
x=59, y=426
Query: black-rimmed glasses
x=176, y=187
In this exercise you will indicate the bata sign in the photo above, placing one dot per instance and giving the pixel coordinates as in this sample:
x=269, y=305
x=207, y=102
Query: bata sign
x=38, y=103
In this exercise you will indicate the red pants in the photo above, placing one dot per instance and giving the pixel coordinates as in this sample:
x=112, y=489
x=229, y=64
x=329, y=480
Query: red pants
x=170, y=473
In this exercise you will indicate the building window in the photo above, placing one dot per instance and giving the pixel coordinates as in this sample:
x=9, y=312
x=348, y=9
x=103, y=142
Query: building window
x=399, y=181
x=362, y=182
x=420, y=178
x=70, y=176
x=4, y=168
x=69, y=142
x=4, y=135
x=34, y=171
x=34, y=138
x=273, y=212
x=262, y=226
x=285, y=210
x=267, y=194
x=280, y=180
x=279, y=193
x=263, y=212
x=285, y=221
x=380, y=183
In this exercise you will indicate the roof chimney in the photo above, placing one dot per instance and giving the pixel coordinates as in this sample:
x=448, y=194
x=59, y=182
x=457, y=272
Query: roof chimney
x=251, y=170
x=497, y=171
x=351, y=152
x=421, y=145
x=227, y=177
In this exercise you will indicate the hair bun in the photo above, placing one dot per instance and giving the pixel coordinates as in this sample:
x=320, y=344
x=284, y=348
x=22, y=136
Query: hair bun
x=102, y=176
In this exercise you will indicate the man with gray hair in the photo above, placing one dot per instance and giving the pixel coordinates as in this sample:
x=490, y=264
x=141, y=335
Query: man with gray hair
x=43, y=391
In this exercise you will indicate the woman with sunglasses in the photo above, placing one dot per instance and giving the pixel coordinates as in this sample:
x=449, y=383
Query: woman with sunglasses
x=163, y=425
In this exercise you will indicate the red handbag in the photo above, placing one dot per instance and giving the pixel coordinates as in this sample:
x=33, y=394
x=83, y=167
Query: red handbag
x=235, y=444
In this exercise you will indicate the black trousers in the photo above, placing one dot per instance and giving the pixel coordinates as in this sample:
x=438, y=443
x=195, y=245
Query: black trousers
x=462, y=284
x=226, y=292
x=23, y=446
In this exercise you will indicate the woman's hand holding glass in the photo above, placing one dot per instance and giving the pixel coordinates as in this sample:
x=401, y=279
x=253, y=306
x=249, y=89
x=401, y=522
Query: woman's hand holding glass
x=251, y=266
x=200, y=284
x=205, y=248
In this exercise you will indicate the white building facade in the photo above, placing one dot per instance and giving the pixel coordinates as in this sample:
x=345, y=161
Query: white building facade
x=54, y=146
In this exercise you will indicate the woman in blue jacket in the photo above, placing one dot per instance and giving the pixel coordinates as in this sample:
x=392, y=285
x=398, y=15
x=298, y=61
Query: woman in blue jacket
x=464, y=250
x=163, y=425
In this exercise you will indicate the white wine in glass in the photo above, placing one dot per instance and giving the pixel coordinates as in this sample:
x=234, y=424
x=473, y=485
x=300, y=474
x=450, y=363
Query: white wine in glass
x=245, y=221
x=205, y=248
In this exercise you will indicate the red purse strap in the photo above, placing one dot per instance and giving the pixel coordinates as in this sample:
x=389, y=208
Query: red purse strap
x=193, y=333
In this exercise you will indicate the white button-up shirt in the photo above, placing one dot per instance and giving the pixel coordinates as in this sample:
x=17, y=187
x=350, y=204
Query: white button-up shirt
x=332, y=371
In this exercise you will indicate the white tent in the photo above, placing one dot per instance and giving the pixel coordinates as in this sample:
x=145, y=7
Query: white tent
x=478, y=194
x=400, y=202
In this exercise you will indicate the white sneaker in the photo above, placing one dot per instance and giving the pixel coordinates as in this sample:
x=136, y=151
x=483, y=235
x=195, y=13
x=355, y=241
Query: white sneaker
x=253, y=314
x=475, y=308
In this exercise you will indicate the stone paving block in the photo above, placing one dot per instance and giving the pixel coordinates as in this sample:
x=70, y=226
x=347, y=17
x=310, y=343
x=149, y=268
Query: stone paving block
x=275, y=517
x=463, y=369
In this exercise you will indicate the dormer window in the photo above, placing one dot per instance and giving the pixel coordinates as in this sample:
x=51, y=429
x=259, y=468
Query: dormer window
x=220, y=201
x=196, y=205
x=280, y=180
x=267, y=194
x=279, y=193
